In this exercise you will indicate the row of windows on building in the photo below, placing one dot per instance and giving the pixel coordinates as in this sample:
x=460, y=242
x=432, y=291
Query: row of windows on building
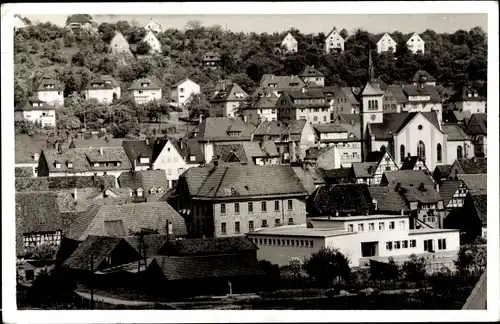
x=372, y=104
x=381, y=226
x=421, y=152
x=284, y=242
x=37, y=239
x=251, y=225
x=405, y=244
x=250, y=206
x=315, y=118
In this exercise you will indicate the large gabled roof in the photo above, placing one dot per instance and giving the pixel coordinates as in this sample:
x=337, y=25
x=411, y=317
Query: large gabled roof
x=218, y=129
x=54, y=84
x=388, y=200
x=352, y=199
x=293, y=127
x=208, y=246
x=310, y=71
x=394, y=122
x=422, y=74
x=282, y=82
x=447, y=189
x=407, y=178
x=473, y=165
x=454, y=132
x=476, y=183
x=232, y=92
x=148, y=85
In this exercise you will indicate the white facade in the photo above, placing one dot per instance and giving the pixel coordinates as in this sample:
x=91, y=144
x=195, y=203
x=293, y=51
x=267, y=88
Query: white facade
x=142, y=96
x=415, y=44
x=103, y=96
x=182, y=91
x=153, y=26
x=172, y=162
x=268, y=114
x=44, y=117
x=454, y=148
x=153, y=42
x=386, y=44
x=50, y=96
x=334, y=42
x=120, y=45
x=290, y=43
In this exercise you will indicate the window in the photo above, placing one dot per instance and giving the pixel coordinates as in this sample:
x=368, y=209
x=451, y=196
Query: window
x=236, y=227
x=301, y=242
x=169, y=171
x=350, y=228
x=397, y=245
x=388, y=246
x=391, y=225
x=413, y=243
x=223, y=228
x=264, y=223
x=360, y=228
x=428, y=246
x=222, y=208
x=265, y=241
x=250, y=226
x=459, y=152
x=288, y=242
x=402, y=224
x=307, y=243
x=404, y=244
x=264, y=206
x=371, y=227
x=277, y=221
x=250, y=207
x=381, y=226
x=421, y=149
x=181, y=90
x=402, y=153
x=324, y=118
x=290, y=204
x=442, y=244
x=274, y=241
x=276, y=205
x=279, y=241
x=293, y=242
x=237, y=208
x=439, y=153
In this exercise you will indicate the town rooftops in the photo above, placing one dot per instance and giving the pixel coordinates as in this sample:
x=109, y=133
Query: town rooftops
x=410, y=162
x=395, y=122
x=423, y=194
x=347, y=92
x=63, y=183
x=466, y=94
x=28, y=148
x=364, y=169
x=144, y=84
x=48, y=84
x=207, y=246
x=228, y=182
x=417, y=77
x=374, y=156
x=310, y=71
x=447, y=189
x=195, y=177
x=342, y=198
x=153, y=182
x=243, y=152
x=232, y=92
x=455, y=132
x=329, y=128
x=281, y=82
x=388, y=200
x=34, y=104
x=293, y=127
x=96, y=143
x=20, y=172
x=473, y=165
x=407, y=178
x=299, y=231
x=476, y=183
x=224, y=129
x=477, y=124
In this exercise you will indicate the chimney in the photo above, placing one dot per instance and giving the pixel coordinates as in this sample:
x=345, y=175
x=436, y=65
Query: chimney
x=101, y=150
x=421, y=187
x=474, y=159
x=245, y=118
x=402, y=212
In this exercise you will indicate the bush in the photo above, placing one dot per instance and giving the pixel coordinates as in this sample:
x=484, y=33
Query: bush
x=415, y=268
x=326, y=265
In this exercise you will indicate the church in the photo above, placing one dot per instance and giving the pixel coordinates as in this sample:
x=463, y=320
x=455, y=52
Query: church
x=410, y=132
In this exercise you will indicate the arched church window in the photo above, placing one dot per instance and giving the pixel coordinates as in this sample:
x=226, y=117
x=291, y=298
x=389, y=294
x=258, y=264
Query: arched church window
x=459, y=152
x=421, y=149
x=439, y=153
x=402, y=153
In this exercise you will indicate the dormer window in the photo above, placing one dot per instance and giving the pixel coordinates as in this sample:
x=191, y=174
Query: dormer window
x=160, y=190
x=192, y=158
x=36, y=156
x=70, y=165
x=152, y=190
x=57, y=164
x=233, y=133
x=118, y=163
x=144, y=84
x=144, y=160
x=140, y=192
x=96, y=164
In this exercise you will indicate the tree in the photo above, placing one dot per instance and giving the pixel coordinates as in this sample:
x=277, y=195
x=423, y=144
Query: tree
x=198, y=105
x=470, y=258
x=344, y=33
x=327, y=265
x=68, y=19
x=143, y=48
x=107, y=31
x=27, y=127
x=19, y=94
x=415, y=268
x=295, y=265
x=78, y=59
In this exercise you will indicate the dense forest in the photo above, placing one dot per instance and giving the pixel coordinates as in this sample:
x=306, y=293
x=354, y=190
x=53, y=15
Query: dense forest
x=73, y=57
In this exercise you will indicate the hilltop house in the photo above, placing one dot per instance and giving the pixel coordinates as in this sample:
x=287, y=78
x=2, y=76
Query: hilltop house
x=50, y=91
x=415, y=43
x=80, y=21
x=312, y=77
x=334, y=42
x=36, y=111
x=153, y=42
x=385, y=43
x=234, y=200
x=278, y=84
x=292, y=139
x=182, y=91
x=120, y=45
x=227, y=101
x=422, y=77
x=290, y=44
x=105, y=89
x=211, y=60
x=144, y=90
x=153, y=26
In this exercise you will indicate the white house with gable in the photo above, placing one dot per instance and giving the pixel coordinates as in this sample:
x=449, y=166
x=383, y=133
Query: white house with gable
x=386, y=44
x=416, y=44
x=183, y=90
x=153, y=42
x=290, y=43
x=153, y=26
x=334, y=42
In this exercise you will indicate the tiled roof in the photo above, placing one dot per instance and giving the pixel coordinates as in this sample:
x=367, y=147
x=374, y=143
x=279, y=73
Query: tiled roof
x=374, y=156
x=407, y=178
x=138, y=148
x=409, y=162
x=372, y=89
x=266, y=102
x=134, y=217
x=29, y=105
x=99, y=247
x=422, y=73
x=84, y=158
x=313, y=153
x=394, y=122
x=388, y=200
x=364, y=169
x=192, y=147
x=230, y=153
x=398, y=93
x=480, y=204
x=347, y=92
x=57, y=86
x=333, y=30
x=26, y=146
x=479, y=120
x=23, y=172
x=283, y=82
x=447, y=189
x=207, y=246
x=476, y=183
x=250, y=181
x=293, y=127
x=152, y=242
x=330, y=128
x=96, y=143
x=310, y=71
x=146, y=180
x=337, y=175
x=195, y=177
x=79, y=18
x=218, y=128
x=455, y=132
x=351, y=199
x=181, y=82
x=42, y=211
x=426, y=194
x=349, y=118
x=63, y=183
x=473, y=165
x=310, y=178
x=150, y=85
x=444, y=169
x=210, y=266
x=233, y=92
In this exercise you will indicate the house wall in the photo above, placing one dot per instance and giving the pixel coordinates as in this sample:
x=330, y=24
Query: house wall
x=318, y=80
x=385, y=44
x=103, y=96
x=172, y=162
x=312, y=115
x=467, y=150
x=329, y=160
x=153, y=42
x=45, y=117
x=386, y=164
x=120, y=45
x=146, y=95
x=334, y=42
x=298, y=213
x=183, y=91
x=53, y=97
x=307, y=140
x=473, y=106
x=290, y=43
x=415, y=44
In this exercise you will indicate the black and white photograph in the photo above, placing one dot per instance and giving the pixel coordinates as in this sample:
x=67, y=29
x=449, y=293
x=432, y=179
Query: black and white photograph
x=179, y=157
